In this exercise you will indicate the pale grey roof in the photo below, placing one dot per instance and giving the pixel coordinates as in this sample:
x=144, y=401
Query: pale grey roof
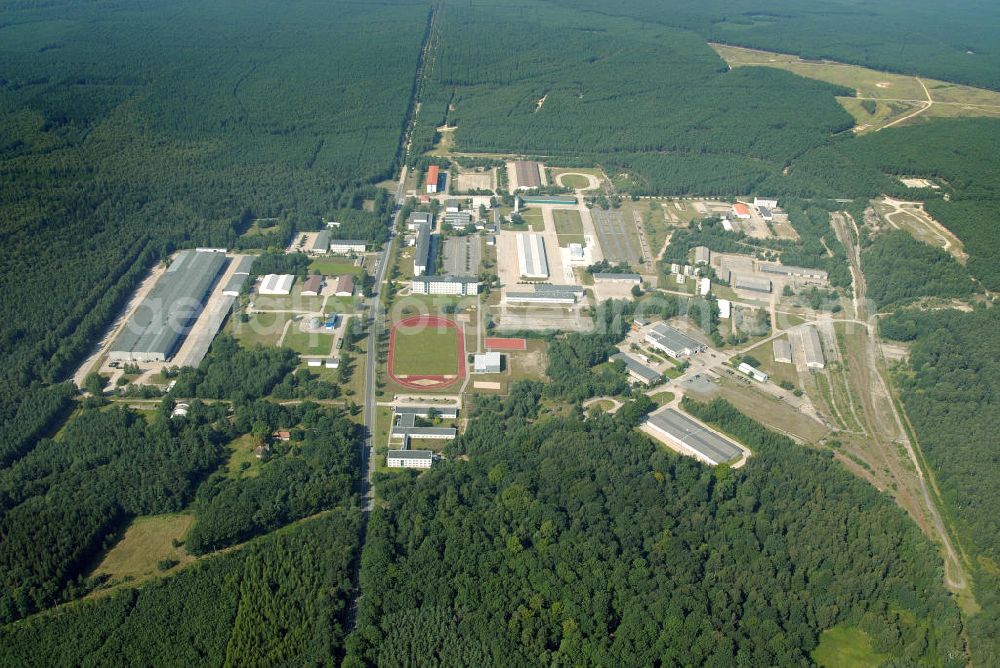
x=446, y=278
x=411, y=454
x=673, y=339
x=751, y=283
x=418, y=432
x=541, y=296
x=637, y=367
x=549, y=287
x=613, y=276
x=531, y=255
x=423, y=410
x=422, y=252
x=782, y=349
x=322, y=241
x=244, y=264
x=164, y=316
x=789, y=270
x=706, y=442
x=812, y=347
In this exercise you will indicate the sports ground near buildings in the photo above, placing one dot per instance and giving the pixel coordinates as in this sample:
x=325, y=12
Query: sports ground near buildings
x=426, y=352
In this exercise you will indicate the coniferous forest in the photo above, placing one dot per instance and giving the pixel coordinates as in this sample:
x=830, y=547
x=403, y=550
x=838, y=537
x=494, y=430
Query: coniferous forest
x=129, y=130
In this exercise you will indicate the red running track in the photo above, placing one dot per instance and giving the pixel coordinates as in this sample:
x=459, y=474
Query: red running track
x=500, y=343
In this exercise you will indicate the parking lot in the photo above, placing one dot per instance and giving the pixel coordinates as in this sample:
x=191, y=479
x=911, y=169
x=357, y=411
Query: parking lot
x=463, y=255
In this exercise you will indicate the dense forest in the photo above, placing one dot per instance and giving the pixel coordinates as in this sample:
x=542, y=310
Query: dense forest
x=899, y=269
x=61, y=500
x=128, y=131
x=951, y=390
x=281, y=600
x=64, y=500
x=580, y=542
x=131, y=129
x=301, y=478
x=955, y=43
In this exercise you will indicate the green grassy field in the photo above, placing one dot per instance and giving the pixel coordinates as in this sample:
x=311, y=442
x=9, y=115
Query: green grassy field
x=778, y=371
x=262, y=328
x=335, y=267
x=241, y=452
x=147, y=541
x=575, y=181
x=308, y=343
x=426, y=350
x=846, y=647
x=567, y=221
x=663, y=398
x=293, y=302
x=895, y=95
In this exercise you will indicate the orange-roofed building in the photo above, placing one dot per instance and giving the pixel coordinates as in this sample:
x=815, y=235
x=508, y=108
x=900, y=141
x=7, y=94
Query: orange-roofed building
x=433, y=173
x=741, y=210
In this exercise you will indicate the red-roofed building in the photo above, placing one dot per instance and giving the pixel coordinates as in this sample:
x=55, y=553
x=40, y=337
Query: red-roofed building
x=433, y=172
x=741, y=210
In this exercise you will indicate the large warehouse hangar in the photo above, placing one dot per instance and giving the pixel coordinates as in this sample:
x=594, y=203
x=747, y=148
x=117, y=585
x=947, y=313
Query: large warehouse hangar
x=160, y=323
x=531, y=256
x=693, y=438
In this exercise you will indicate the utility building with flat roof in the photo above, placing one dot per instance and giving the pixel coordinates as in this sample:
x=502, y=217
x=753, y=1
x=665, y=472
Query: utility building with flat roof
x=782, y=351
x=347, y=246
x=812, y=348
x=546, y=293
x=531, y=255
x=611, y=277
x=754, y=283
x=673, y=342
x=410, y=459
x=789, y=270
x=418, y=218
x=424, y=410
x=444, y=285
x=487, y=362
x=162, y=320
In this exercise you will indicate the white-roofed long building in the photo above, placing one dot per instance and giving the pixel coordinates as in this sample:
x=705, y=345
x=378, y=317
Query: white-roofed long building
x=782, y=351
x=531, y=256
x=276, y=284
x=813, y=349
